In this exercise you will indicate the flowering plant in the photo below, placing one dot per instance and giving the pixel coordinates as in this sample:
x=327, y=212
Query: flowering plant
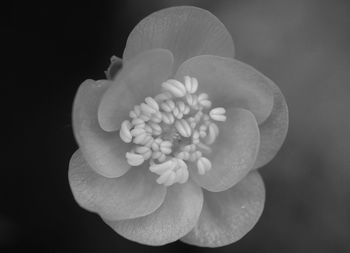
x=169, y=147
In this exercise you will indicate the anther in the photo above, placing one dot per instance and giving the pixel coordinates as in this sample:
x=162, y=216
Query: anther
x=213, y=132
x=144, y=151
x=203, y=165
x=134, y=159
x=137, y=131
x=218, y=114
x=147, y=109
x=165, y=147
x=175, y=87
x=183, y=128
x=124, y=132
x=162, y=167
x=151, y=102
x=163, y=96
x=168, y=118
x=194, y=84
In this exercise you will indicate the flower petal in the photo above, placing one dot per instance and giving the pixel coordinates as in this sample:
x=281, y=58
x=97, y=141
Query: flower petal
x=186, y=31
x=229, y=215
x=175, y=218
x=104, y=152
x=230, y=83
x=114, y=67
x=274, y=130
x=233, y=153
x=140, y=77
x=133, y=195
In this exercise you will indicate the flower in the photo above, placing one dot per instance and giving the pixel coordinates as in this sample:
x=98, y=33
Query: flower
x=168, y=149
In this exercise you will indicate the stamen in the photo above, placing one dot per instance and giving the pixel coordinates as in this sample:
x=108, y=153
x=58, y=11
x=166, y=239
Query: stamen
x=194, y=85
x=134, y=159
x=213, y=133
x=144, y=151
x=166, y=137
x=152, y=103
x=183, y=128
x=174, y=87
x=218, y=114
x=124, y=132
x=203, y=165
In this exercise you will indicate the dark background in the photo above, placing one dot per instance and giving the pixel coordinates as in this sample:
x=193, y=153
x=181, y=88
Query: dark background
x=51, y=47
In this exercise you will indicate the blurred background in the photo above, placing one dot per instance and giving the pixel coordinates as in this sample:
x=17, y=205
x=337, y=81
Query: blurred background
x=303, y=45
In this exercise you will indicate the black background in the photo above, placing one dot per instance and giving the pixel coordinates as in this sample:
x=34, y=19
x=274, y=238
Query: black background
x=51, y=47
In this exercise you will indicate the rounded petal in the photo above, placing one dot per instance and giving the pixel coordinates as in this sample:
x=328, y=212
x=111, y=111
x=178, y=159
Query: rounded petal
x=186, y=31
x=104, y=152
x=229, y=215
x=140, y=77
x=175, y=218
x=230, y=83
x=233, y=153
x=133, y=195
x=274, y=130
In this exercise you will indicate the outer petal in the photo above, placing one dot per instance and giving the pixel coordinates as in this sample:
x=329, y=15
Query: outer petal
x=175, y=218
x=104, y=152
x=140, y=77
x=233, y=153
x=133, y=195
x=274, y=130
x=185, y=30
x=227, y=216
x=230, y=83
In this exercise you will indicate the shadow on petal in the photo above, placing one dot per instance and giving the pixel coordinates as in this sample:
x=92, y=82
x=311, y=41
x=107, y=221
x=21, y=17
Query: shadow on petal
x=230, y=83
x=186, y=31
x=132, y=195
x=274, y=130
x=229, y=215
x=175, y=218
x=233, y=153
x=103, y=151
x=140, y=77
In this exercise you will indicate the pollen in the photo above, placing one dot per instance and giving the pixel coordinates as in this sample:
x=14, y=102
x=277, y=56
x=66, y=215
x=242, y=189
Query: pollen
x=173, y=130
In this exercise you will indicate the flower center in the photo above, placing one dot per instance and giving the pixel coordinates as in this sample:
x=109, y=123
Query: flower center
x=173, y=128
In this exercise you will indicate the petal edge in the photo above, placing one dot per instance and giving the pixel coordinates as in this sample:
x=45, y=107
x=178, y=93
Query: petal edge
x=173, y=28
x=172, y=220
x=228, y=216
x=132, y=195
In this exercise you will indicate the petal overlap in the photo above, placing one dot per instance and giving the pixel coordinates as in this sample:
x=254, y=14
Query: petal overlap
x=103, y=151
x=172, y=220
x=132, y=195
x=233, y=153
x=230, y=83
x=186, y=31
x=229, y=215
x=140, y=77
x=274, y=130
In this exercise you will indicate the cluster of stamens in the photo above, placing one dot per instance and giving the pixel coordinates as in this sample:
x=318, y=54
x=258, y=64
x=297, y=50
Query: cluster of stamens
x=171, y=129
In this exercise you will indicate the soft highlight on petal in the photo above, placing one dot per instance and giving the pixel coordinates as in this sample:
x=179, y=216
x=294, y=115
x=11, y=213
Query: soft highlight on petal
x=186, y=31
x=229, y=215
x=177, y=216
x=230, y=83
x=104, y=152
x=140, y=77
x=274, y=130
x=233, y=153
x=132, y=195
